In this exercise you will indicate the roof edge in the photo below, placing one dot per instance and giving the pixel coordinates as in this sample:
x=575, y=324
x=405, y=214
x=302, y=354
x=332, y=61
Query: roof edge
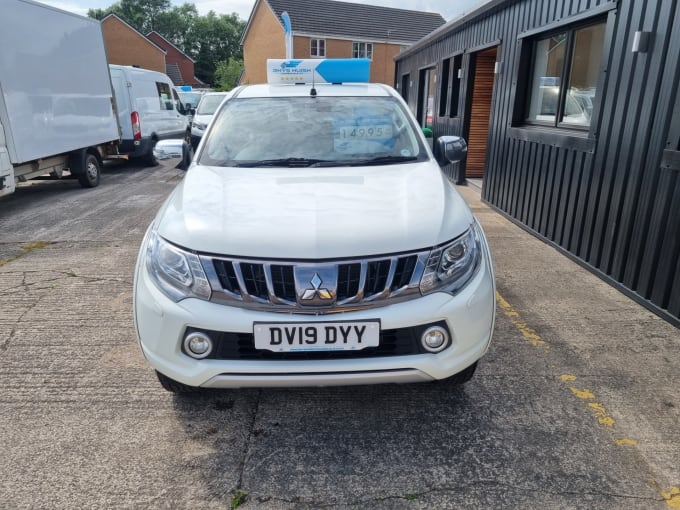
x=133, y=29
x=445, y=29
x=170, y=43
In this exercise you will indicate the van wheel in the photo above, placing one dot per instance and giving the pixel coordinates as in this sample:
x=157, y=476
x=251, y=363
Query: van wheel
x=87, y=168
x=174, y=386
x=150, y=159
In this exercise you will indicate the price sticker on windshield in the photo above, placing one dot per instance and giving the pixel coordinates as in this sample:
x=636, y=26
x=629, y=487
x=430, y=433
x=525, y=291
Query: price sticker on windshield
x=379, y=131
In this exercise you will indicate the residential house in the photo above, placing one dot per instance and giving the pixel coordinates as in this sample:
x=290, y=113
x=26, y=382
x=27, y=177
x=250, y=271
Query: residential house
x=330, y=29
x=572, y=115
x=126, y=46
x=178, y=65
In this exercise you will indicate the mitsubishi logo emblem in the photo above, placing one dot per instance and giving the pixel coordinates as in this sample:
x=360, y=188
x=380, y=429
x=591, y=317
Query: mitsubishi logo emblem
x=317, y=291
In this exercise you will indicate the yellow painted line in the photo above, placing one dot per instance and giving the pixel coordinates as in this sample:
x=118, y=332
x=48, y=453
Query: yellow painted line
x=601, y=414
x=626, y=442
x=670, y=496
x=526, y=331
x=582, y=394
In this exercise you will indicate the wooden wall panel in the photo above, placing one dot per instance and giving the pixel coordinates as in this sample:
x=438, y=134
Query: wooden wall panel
x=478, y=133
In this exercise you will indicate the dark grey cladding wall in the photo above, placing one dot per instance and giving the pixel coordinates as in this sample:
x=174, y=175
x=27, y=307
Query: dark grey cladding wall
x=610, y=199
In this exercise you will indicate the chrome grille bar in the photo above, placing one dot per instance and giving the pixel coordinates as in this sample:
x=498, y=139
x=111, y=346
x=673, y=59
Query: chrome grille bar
x=259, y=280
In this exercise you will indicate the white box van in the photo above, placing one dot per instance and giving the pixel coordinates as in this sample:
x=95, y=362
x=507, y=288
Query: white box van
x=148, y=110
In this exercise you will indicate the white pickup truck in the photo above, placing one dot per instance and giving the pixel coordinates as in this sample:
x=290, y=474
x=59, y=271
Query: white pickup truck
x=56, y=99
x=314, y=241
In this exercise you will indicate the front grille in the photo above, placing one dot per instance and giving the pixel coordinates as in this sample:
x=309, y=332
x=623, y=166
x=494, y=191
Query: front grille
x=283, y=281
x=319, y=287
x=254, y=280
x=241, y=346
x=349, y=277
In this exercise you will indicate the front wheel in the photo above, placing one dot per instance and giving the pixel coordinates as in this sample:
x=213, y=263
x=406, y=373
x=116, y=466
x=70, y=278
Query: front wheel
x=87, y=168
x=460, y=378
x=174, y=386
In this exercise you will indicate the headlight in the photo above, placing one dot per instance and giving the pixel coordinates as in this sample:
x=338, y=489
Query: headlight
x=451, y=266
x=199, y=125
x=177, y=273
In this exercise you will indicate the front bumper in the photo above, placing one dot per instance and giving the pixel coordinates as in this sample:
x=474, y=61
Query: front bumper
x=161, y=326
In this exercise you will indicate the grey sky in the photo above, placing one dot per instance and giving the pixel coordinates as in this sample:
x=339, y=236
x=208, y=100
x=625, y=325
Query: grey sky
x=449, y=9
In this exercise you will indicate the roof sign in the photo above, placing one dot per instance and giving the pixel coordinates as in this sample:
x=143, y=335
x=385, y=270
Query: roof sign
x=339, y=70
x=185, y=88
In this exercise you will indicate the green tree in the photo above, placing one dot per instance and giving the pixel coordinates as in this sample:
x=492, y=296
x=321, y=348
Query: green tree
x=227, y=73
x=208, y=39
x=216, y=38
x=177, y=25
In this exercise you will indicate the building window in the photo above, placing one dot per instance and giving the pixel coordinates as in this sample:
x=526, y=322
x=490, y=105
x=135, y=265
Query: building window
x=405, y=86
x=455, y=85
x=444, y=86
x=563, y=80
x=362, y=50
x=317, y=47
x=426, y=88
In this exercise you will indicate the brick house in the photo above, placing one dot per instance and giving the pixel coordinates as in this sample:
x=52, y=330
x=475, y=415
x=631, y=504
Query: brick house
x=126, y=46
x=179, y=66
x=330, y=29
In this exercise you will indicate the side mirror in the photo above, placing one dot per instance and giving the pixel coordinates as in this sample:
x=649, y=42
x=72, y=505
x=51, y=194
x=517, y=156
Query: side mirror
x=173, y=153
x=451, y=149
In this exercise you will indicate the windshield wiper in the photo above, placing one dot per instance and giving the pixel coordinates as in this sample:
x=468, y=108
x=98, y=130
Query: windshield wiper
x=382, y=160
x=286, y=162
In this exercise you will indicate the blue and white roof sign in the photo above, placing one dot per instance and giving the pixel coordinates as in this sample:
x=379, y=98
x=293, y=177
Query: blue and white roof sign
x=339, y=70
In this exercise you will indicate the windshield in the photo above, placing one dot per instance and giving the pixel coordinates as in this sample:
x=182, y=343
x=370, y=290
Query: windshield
x=306, y=131
x=209, y=104
x=190, y=99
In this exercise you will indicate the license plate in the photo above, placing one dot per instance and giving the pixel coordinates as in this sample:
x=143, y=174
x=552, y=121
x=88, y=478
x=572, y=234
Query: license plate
x=316, y=336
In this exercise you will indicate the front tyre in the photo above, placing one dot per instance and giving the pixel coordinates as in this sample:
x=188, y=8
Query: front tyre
x=87, y=168
x=462, y=377
x=174, y=386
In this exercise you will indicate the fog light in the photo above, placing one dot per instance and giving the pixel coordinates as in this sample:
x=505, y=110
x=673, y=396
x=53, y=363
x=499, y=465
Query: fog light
x=434, y=339
x=198, y=345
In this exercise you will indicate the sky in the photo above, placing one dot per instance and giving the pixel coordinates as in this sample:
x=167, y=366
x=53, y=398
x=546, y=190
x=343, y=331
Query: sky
x=449, y=9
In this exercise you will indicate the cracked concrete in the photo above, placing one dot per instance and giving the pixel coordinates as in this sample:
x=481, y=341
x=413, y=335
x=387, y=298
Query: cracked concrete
x=85, y=423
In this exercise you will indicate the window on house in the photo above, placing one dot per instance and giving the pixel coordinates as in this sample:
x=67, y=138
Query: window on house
x=362, y=50
x=317, y=47
x=444, y=86
x=426, y=88
x=405, y=86
x=563, y=80
x=455, y=85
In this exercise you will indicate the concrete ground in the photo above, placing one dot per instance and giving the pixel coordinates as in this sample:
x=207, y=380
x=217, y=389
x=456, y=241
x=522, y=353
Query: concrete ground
x=576, y=405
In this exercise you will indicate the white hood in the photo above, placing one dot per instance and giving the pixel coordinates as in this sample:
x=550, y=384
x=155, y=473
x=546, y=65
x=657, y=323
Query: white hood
x=313, y=213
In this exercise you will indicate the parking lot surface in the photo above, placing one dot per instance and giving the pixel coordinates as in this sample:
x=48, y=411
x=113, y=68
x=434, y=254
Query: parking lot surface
x=576, y=405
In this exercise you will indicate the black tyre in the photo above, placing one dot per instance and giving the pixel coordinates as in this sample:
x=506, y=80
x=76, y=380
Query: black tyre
x=175, y=387
x=87, y=168
x=150, y=159
x=464, y=376
x=460, y=378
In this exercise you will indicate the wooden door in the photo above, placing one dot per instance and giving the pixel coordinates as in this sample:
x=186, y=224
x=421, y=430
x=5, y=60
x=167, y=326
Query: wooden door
x=480, y=112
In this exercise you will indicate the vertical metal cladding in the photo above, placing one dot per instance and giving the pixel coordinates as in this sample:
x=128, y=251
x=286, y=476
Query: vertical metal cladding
x=609, y=198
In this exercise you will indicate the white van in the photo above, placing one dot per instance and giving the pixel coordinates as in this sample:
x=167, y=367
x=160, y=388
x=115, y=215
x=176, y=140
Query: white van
x=148, y=110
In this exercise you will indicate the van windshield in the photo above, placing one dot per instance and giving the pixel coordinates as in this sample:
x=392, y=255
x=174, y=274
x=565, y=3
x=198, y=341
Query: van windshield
x=300, y=131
